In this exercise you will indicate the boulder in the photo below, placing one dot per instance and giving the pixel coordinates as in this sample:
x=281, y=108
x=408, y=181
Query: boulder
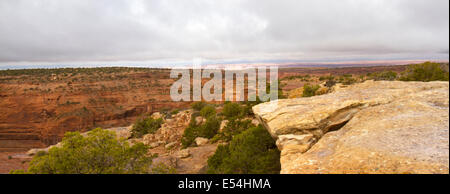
x=184, y=153
x=223, y=124
x=157, y=115
x=371, y=127
x=255, y=122
x=199, y=120
x=201, y=141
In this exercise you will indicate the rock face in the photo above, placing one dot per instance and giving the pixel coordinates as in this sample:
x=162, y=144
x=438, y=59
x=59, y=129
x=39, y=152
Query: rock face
x=372, y=127
x=36, y=114
x=182, y=153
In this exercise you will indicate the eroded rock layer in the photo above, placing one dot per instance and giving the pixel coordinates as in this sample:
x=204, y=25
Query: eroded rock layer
x=372, y=127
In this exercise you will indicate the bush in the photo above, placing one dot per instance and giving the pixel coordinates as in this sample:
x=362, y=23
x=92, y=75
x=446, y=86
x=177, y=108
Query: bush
x=347, y=79
x=206, y=130
x=310, y=90
x=189, y=135
x=208, y=111
x=246, y=110
x=425, y=72
x=385, y=75
x=100, y=152
x=234, y=127
x=253, y=103
x=198, y=105
x=330, y=83
x=163, y=169
x=145, y=126
x=251, y=152
x=232, y=110
x=323, y=78
x=210, y=128
x=174, y=112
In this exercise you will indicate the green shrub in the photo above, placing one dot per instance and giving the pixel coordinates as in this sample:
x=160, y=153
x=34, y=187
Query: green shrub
x=347, y=79
x=174, y=112
x=330, y=83
x=426, y=72
x=189, y=135
x=246, y=110
x=323, y=78
x=385, y=75
x=234, y=127
x=198, y=105
x=310, y=90
x=208, y=111
x=232, y=110
x=251, y=152
x=145, y=126
x=161, y=168
x=207, y=130
x=210, y=128
x=100, y=152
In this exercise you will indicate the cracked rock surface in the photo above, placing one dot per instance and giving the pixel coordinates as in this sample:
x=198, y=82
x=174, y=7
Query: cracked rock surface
x=372, y=127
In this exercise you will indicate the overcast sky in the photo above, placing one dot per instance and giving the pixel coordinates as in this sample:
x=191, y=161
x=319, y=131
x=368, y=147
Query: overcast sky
x=61, y=31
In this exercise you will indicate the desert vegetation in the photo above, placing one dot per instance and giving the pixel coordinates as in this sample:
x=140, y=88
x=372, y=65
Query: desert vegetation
x=426, y=72
x=319, y=85
x=244, y=147
x=205, y=129
x=100, y=152
x=385, y=75
x=251, y=152
x=145, y=126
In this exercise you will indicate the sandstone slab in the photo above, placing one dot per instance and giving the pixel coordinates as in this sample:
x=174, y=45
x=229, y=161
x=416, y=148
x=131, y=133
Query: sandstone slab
x=372, y=127
x=184, y=153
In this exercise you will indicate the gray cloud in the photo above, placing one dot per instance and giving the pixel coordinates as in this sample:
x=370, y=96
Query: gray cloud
x=140, y=30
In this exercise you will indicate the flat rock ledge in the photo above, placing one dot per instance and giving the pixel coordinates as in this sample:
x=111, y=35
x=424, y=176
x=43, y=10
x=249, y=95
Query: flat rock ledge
x=371, y=127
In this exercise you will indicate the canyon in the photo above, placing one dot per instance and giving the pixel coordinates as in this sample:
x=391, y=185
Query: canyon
x=37, y=106
x=36, y=111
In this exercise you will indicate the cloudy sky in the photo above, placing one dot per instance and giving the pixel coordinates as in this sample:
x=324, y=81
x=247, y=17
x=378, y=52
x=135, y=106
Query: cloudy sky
x=108, y=31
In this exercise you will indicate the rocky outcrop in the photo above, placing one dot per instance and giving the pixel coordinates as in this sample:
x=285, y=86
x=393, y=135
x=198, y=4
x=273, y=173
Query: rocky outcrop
x=171, y=130
x=372, y=127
